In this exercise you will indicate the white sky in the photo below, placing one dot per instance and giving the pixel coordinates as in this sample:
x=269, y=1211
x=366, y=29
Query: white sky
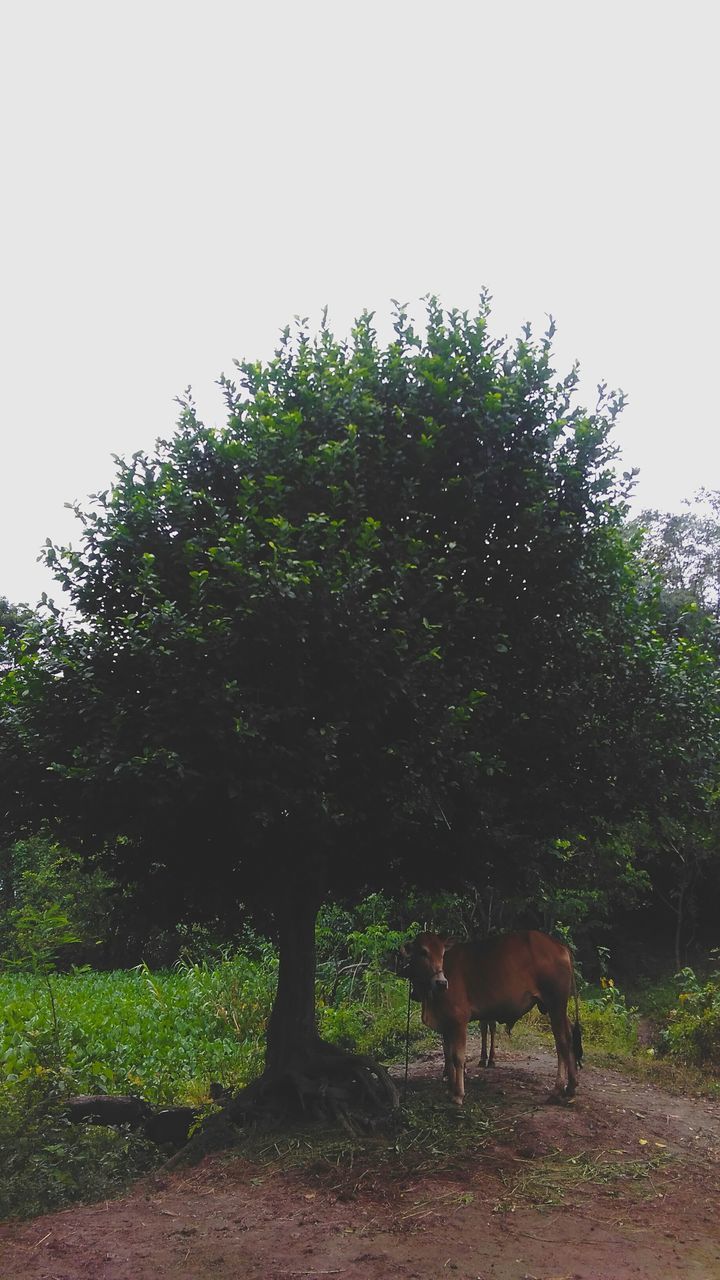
x=179, y=180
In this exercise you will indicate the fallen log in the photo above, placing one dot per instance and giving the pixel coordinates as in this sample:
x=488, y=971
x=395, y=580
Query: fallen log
x=164, y=1125
x=106, y=1108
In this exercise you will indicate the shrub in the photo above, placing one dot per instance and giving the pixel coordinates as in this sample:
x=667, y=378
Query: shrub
x=609, y=1023
x=47, y=1162
x=693, y=1028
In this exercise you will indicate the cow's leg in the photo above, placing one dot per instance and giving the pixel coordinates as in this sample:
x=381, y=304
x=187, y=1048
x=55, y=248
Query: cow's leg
x=566, y=1078
x=458, y=1043
x=491, y=1057
x=487, y=1060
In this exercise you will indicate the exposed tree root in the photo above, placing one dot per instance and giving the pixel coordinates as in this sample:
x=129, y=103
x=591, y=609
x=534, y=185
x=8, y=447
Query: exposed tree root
x=350, y=1090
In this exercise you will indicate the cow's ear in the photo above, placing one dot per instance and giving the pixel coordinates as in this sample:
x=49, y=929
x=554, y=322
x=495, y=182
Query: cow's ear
x=404, y=952
x=449, y=943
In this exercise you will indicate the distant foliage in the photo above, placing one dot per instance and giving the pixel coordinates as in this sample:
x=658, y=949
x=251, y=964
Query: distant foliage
x=361, y=1004
x=38, y=875
x=684, y=549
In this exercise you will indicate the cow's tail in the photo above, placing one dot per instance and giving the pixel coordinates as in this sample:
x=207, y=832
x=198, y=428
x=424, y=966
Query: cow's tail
x=576, y=1031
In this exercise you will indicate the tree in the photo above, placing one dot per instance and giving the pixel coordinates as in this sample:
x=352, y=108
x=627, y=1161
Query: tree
x=16, y=621
x=683, y=549
x=383, y=626
x=681, y=552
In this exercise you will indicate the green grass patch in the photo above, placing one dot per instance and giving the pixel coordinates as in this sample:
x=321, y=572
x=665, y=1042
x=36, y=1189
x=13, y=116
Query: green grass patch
x=609, y=1026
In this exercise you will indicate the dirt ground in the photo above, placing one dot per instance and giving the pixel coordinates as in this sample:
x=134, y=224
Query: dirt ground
x=623, y=1183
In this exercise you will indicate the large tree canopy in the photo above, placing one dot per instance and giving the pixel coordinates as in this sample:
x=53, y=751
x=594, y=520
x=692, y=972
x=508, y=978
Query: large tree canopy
x=382, y=624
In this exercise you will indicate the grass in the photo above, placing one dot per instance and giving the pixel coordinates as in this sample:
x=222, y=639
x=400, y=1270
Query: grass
x=431, y=1141
x=609, y=1028
x=162, y=1036
x=548, y=1182
x=676, y=1077
x=426, y=1136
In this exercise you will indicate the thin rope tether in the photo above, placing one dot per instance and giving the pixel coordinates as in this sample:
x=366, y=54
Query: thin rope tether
x=407, y=1045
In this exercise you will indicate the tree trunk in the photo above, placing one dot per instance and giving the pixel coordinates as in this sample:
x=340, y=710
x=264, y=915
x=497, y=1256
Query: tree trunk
x=320, y=1078
x=303, y=1074
x=7, y=879
x=679, y=925
x=292, y=1037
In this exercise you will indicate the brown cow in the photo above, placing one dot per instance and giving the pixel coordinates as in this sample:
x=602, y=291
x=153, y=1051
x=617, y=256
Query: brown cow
x=498, y=980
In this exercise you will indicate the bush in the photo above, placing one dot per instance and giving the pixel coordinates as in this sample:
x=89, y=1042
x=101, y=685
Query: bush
x=47, y=1162
x=361, y=1004
x=693, y=1028
x=608, y=1023
x=38, y=876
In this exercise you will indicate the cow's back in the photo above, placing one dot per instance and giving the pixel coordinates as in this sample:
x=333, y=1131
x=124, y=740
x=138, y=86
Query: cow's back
x=502, y=977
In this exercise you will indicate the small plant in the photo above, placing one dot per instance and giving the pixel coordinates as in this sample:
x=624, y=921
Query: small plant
x=39, y=934
x=693, y=1026
x=609, y=1023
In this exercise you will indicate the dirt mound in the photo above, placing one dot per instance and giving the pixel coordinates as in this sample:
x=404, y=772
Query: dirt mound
x=623, y=1183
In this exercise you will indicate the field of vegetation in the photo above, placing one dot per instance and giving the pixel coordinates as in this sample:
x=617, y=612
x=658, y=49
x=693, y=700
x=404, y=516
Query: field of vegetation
x=166, y=1035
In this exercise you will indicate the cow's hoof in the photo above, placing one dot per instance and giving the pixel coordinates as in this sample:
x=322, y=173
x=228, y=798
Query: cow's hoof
x=559, y=1099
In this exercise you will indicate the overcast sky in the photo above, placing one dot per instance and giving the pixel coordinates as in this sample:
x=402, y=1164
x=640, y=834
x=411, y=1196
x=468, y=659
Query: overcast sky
x=179, y=180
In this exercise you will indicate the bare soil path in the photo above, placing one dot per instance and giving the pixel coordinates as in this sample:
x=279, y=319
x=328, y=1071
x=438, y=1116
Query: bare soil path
x=624, y=1183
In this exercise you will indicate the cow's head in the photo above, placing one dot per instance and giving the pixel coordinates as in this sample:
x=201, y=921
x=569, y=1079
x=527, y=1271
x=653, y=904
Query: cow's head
x=422, y=962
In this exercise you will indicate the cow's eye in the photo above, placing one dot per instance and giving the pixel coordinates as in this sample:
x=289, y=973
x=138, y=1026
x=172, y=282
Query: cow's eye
x=424, y=952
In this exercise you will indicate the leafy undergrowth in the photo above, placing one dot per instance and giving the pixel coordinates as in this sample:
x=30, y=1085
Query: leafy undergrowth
x=682, y=1041
x=163, y=1036
x=47, y=1162
x=692, y=1032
